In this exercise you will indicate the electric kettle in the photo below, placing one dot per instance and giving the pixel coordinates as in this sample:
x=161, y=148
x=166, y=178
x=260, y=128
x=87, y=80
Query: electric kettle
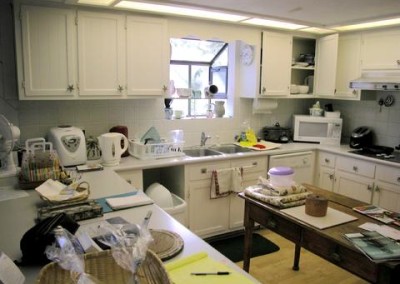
x=110, y=145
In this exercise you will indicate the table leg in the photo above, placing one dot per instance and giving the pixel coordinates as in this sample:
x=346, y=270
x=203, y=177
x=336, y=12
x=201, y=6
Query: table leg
x=248, y=238
x=296, y=261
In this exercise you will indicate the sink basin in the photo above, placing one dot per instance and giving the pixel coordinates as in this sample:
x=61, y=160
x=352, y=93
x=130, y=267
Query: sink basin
x=231, y=149
x=203, y=152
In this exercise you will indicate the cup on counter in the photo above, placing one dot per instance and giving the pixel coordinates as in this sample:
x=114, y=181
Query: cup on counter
x=178, y=114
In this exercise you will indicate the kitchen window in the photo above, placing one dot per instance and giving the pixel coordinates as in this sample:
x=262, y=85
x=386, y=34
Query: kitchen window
x=195, y=65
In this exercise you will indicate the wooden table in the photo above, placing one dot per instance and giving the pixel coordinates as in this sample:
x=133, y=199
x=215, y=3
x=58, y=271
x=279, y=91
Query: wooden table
x=328, y=243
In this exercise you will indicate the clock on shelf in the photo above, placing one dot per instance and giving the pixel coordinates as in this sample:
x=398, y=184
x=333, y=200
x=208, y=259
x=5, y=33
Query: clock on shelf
x=246, y=54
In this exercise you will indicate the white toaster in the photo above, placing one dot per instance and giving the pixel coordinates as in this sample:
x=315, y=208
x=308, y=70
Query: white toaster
x=69, y=141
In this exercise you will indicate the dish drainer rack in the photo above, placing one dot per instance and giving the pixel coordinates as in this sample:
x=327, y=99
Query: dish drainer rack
x=155, y=150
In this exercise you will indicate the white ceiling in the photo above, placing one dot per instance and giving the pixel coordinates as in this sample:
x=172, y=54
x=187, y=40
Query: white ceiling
x=318, y=13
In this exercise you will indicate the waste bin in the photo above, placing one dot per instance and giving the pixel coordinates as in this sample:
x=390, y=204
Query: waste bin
x=169, y=202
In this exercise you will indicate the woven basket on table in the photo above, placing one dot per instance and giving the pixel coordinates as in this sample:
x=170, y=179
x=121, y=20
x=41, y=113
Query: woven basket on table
x=103, y=266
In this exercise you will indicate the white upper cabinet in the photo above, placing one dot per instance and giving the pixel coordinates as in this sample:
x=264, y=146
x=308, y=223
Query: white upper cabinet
x=381, y=49
x=101, y=54
x=276, y=62
x=147, y=56
x=348, y=66
x=325, y=68
x=49, y=54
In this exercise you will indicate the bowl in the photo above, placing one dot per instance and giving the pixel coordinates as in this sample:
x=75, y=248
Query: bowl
x=303, y=89
x=294, y=89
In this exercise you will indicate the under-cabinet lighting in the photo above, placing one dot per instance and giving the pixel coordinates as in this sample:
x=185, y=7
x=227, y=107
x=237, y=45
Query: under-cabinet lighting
x=317, y=30
x=96, y=2
x=175, y=10
x=367, y=25
x=273, y=23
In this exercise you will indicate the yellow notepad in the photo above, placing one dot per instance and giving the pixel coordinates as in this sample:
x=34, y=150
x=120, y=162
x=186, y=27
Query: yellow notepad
x=180, y=271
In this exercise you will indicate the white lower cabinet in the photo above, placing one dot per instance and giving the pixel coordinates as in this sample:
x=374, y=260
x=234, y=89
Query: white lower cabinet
x=387, y=188
x=362, y=180
x=354, y=178
x=134, y=177
x=208, y=217
x=326, y=175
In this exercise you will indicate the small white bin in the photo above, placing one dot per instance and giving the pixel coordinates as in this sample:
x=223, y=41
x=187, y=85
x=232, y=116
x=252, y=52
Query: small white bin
x=178, y=210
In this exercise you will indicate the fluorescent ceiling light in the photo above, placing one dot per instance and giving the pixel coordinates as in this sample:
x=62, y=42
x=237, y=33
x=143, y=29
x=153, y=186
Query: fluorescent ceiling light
x=369, y=25
x=179, y=11
x=96, y=2
x=272, y=23
x=317, y=30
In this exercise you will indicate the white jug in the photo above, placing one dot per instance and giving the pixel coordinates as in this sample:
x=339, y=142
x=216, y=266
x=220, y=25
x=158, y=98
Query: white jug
x=110, y=145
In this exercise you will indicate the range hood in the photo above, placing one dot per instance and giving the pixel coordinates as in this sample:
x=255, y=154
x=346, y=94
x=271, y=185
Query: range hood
x=382, y=80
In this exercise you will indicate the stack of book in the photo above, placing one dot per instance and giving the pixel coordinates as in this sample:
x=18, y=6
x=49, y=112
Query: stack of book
x=380, y=214
x=375, y=246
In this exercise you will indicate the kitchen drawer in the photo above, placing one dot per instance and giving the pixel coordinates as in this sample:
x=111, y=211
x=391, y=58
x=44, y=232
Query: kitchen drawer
x=251, y=165
x=277, y=224
x=327, y=159
x=203, y=170
x=340, y=255
x=355, y=166
x=388, y=174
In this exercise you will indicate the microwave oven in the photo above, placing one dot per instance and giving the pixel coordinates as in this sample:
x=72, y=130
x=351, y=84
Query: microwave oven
x=317, y=129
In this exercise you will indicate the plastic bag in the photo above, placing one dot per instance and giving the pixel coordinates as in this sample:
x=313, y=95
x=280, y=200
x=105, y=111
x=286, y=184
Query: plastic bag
x=128, y=243
x=68, y=253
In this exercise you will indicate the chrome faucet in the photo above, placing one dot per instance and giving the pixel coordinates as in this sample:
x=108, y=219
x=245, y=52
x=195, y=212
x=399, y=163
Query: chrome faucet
x=203, y=139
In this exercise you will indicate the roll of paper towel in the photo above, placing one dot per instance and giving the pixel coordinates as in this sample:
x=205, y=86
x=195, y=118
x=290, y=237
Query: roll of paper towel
x=264, y=105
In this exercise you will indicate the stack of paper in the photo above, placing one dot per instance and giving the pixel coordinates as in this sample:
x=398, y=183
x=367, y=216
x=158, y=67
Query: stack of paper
x=181, y=271
x=128, y=201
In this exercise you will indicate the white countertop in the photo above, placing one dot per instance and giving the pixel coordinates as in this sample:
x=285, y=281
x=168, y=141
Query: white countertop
x=17, y=216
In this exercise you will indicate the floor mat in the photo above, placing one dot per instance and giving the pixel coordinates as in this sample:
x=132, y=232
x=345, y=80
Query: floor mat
x=232, y=247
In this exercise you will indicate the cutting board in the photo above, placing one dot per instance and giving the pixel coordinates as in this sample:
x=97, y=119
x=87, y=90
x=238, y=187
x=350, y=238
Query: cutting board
x=332, y=218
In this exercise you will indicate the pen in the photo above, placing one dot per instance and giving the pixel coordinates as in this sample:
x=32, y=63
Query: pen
x=210, y=273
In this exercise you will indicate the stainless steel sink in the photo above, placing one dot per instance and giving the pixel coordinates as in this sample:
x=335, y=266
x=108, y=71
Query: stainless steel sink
x=201, y=152
x=230, y=149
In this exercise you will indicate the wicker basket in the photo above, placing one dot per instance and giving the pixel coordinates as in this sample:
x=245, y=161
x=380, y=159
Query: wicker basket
x=103, y=266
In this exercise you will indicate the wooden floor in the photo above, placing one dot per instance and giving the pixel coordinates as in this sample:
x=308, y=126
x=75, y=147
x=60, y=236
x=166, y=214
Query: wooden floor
x=277, y=267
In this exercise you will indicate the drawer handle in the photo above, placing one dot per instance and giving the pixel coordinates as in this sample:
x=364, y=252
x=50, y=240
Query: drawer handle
x=398, y=179
x=336, y=257
x=271, y=223
x=327, y=160
x=355, y=168
x=203, y=170
x=256, y=163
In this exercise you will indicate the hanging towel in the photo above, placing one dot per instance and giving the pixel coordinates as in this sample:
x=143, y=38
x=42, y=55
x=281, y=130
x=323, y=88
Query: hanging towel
x=237, y=180
x=220, y=183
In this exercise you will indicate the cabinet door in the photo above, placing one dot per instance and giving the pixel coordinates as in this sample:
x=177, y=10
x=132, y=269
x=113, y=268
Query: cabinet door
x=207, y=216
x=354, y=186
x=387, y=196
x=148, y=56
x=49, y=52
x=101, y=53
x=325, y=68
x=380, y=50
x=276, y=63
x=326, y=178
x=348, y=65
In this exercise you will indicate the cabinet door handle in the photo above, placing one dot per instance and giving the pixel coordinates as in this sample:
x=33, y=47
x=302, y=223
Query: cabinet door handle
x=355, y=168
x=70, y=88
x=398, y=61
x=354, y=92
x=398, y=179
x=120, y=88
x=203, y=171
x=377, y=189
x=369, y=187
x=327, y=160
x=331, y=176
x=264, y=90
x=164, y=88
x=336, y=257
